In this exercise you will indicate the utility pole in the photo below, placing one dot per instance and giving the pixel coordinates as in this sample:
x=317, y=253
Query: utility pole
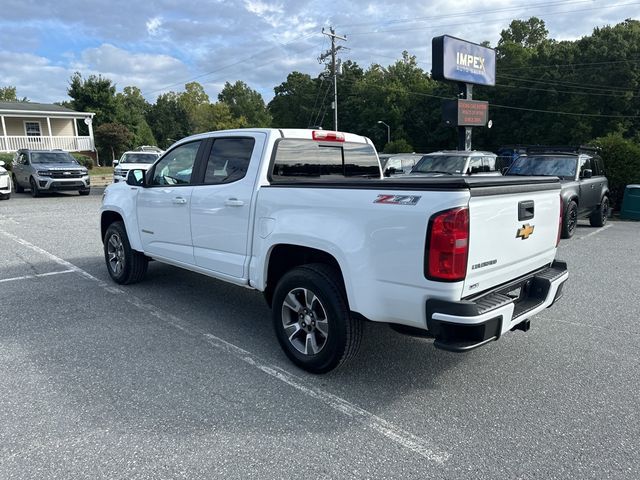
x=334, y=70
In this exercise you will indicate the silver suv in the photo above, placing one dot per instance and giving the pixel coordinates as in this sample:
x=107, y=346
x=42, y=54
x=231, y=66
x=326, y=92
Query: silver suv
x=47, y=171
x=456, y=162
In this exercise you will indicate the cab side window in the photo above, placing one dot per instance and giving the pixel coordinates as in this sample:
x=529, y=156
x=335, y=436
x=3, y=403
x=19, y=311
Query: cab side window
x=176, y=167
x=585, y=164
x=475, y=165
x=229, y=160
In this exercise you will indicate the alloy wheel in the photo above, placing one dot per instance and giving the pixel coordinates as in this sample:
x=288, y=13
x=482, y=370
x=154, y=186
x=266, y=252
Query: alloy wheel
x=115, y=254
x=305, y=321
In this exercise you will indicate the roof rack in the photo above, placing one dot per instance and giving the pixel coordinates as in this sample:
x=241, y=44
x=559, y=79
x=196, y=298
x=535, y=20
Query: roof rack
x=561, y=149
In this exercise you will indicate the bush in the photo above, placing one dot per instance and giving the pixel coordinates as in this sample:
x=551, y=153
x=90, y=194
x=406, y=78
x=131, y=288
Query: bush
x=398, y=146
x=83, y=160
x=621, y=163
x=7, y=158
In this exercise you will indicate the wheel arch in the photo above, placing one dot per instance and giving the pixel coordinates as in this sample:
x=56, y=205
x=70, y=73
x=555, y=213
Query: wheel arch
x=283, y=257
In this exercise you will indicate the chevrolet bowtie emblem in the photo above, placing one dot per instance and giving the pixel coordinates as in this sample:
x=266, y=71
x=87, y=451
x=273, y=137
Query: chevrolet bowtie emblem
x=525, y=232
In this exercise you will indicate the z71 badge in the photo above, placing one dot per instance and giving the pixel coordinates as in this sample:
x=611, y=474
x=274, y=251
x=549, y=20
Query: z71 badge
x=398, y=199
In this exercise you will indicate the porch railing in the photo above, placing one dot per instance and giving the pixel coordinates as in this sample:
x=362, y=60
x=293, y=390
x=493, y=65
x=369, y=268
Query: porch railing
x=69, y=144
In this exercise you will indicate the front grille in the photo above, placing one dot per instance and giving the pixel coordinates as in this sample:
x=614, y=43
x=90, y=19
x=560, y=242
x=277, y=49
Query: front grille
x=66, y=174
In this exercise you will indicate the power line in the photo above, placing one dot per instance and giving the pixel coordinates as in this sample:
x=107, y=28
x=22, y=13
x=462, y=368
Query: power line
x=595, y=94
x=569, y=65
x=465, y=13
x=485, y=22
x=243, y=60
x=599, y=88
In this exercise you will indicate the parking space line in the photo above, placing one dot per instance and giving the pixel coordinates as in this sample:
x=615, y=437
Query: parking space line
x=37, y=275
x=405, y=439
x=601, y=229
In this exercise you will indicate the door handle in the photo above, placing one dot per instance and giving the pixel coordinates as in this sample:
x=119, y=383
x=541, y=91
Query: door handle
x=179, y=200
x=233, y=202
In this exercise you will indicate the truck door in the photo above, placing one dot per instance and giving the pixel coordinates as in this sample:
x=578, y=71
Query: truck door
x=163, y=206
x=221, y=205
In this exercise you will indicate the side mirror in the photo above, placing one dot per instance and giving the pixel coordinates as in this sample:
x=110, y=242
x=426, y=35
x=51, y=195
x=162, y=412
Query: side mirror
x=116, y=162
x=389, y=171
x=587, y=173
x=136, y=178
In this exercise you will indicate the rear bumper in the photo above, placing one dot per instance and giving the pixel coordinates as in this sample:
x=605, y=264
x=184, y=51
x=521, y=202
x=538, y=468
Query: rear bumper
x=468, y=324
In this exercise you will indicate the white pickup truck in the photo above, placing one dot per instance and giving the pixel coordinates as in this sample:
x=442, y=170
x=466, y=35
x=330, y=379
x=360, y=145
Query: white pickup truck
x=306, y=218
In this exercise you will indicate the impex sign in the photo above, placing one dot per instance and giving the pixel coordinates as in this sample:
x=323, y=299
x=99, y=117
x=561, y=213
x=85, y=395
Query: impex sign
x=461, y=61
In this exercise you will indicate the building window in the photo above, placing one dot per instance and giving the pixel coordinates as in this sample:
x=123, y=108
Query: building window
x=32, y=129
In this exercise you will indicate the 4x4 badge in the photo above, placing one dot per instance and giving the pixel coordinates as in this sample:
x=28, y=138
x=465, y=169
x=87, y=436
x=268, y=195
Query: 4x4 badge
x=525, y=232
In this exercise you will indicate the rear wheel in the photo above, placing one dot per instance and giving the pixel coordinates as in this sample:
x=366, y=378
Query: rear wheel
x=570, y=220
x=35, y=191
x=17, y=186
x=312, y=320
x=598, y=217
x=124, y=264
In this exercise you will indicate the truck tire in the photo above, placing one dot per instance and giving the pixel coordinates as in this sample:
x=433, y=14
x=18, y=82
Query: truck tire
x=312, y=320
x=124, y=264
x=17, y=186
x=598, y=217
x=35, y=192
x=570, y=220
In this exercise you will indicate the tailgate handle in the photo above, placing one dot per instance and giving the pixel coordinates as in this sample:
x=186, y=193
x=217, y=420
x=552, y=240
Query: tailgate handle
x=525, y=210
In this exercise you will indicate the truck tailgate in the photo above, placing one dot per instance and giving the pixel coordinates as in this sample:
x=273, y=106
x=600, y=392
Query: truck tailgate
x=513, y=230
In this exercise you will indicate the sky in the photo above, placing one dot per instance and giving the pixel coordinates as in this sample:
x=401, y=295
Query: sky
x=159, y=45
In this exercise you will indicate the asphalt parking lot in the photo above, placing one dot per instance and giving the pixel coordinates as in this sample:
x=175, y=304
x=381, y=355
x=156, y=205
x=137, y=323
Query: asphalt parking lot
x=181, y=376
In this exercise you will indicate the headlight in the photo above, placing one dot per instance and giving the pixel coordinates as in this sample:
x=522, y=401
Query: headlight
x=44, y=173
x=84, y=172
x=117, y=171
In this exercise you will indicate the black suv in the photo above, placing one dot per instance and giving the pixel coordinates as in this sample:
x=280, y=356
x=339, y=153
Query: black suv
x=585, y=189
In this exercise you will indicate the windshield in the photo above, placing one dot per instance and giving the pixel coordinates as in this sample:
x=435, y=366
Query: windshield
x=52, y=157
x=440, y=164
x=139, y=158
x=564, y=166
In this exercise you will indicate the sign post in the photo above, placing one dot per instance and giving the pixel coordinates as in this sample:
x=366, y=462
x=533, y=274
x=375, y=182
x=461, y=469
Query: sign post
x=467, y=64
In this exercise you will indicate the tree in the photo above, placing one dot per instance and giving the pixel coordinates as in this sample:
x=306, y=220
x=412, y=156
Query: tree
x=292, y=105
x=168, y=119
x=9, y=94
x=95, y=94
x=132, y=109
x=245, y=102
x=217, y=116
x=114, y=137
x=527, y=33
x=191, y=101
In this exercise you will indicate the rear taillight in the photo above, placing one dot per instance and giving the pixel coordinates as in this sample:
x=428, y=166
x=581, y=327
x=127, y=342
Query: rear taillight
x=560, y=222
x=448, y=245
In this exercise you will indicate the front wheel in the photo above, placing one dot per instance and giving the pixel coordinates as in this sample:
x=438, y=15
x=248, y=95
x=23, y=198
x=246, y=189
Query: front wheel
x=312, y=320
x=124, y=264
x=598, y=217
x=570, y=220
x=35, y=192
x=17, y=186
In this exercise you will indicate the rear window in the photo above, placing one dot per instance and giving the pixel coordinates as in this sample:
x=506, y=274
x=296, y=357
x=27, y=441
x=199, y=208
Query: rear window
x=308, y=159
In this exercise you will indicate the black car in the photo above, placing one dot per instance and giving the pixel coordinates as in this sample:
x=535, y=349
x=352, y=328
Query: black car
x=585, y=188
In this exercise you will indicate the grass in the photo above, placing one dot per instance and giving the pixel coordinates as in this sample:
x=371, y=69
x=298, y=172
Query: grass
x=100, y=171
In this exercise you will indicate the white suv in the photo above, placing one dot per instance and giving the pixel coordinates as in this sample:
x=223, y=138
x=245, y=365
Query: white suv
x=140, y=160
x=5, y=183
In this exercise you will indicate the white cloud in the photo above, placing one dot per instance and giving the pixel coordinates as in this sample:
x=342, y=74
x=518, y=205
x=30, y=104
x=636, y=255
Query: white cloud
x=153, y=25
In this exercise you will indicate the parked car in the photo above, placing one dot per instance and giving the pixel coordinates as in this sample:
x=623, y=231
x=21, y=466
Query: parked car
x=133, y=160
x=5, y=183
x=305, y=217
x=401, y=163
x=585, y=188
x=47, y=171
x=456, y=162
